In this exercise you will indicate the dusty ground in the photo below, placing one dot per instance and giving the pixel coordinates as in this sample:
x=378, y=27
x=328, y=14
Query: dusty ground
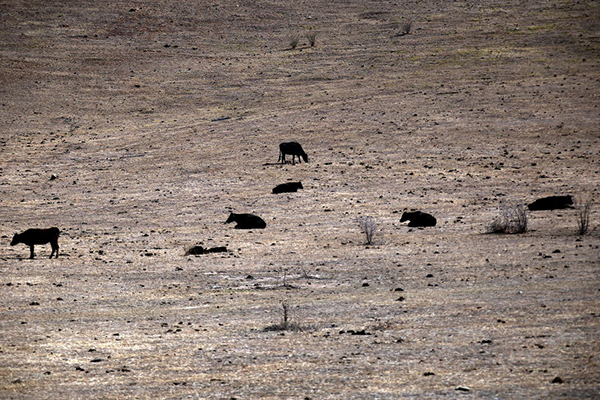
x=160, y=118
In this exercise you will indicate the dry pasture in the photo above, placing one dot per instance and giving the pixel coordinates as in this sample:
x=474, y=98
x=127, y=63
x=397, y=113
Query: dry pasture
x=159, y=118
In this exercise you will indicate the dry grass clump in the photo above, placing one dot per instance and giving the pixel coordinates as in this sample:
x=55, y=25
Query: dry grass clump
x=294, y=39
x=511, y=219
x=286, y=324
x=584, y=209
x=368, y=226
x=405, y=28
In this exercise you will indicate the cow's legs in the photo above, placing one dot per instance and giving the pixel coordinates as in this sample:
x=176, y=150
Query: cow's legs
x=54, y=249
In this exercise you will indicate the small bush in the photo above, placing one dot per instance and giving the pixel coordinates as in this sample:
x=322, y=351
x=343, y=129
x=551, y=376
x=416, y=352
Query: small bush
x=368, y=226
x=285, y=324
x=584, y=209
x=294, y=40
x=405, y=28
x=312, y=38
x=511, y=219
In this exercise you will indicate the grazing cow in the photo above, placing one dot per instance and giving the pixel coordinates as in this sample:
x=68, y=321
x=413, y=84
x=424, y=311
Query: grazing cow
x=289, y=187
x=294, y=149
x=32, y=237
x=551, y=203
x=246, y=221
x=418, y=218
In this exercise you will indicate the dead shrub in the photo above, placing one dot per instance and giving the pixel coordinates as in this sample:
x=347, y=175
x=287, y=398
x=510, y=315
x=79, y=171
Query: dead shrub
x=368, y=226
x=584, y=209
x=286, y=324
x=312, y=38
x=294, y=40
x=405, y=28
x=511, y=219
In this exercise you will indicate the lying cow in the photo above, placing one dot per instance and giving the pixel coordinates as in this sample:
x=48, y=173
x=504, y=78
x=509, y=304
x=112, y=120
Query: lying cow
x=34, y=236
x=551, y=203
x=197, y=250
x=246, y=221
x=418, y=219
x=289, y=187
x=294, y=149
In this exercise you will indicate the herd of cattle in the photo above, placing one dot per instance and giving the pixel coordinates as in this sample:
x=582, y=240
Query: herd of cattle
x=34, y=236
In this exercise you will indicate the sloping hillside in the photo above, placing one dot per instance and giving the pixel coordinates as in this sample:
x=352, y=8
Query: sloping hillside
x=161, y=118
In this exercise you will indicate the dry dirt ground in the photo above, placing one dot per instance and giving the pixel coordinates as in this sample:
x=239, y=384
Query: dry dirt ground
x=161, y=117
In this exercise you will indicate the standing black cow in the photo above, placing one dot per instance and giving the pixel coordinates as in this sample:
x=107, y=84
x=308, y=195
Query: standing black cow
x=418, y=218
x=289, y=187
x=551, y=203
x=34, y=236
x=246, y=221
x=294, y=149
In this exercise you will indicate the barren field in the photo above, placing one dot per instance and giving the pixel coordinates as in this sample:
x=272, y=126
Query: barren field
x=159, y=118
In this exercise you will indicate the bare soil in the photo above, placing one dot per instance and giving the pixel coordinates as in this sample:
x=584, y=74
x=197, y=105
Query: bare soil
x=161, y=117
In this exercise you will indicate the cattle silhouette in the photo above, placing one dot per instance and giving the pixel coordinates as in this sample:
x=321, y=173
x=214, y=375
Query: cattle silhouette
x=551, y=203
x=197, y=250
x=289, y=187
x=35, y=236
x=246, y=221
x=418, y=219
x=294, y=149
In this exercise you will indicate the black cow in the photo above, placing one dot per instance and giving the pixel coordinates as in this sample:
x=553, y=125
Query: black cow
x=551, y=203
x=289, y=187
x=418, y=218
x=294, y=149
x=196, y=250
x=246, y=221
x=34, y=236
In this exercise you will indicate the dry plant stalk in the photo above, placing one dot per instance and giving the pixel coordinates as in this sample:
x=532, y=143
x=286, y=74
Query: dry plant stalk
x=406, y=27
x=584, y=209
x=511, y=219
x=294, y=40
x=285, y=324
x=285, y=319
x=369, y=227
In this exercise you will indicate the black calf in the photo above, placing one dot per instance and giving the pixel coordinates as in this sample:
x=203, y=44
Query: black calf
x=246, y=221
x=551, y=203
x=34, y=236
x=418, y=218
x=294, y=149
x=289, y=187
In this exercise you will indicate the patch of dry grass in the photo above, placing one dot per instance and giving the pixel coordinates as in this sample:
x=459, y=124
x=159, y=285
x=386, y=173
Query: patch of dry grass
x=511, y=219
x=584, y=211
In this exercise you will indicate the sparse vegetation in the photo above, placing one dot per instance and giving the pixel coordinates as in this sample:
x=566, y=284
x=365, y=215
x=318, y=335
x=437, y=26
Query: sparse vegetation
x=284, y=280
x=285, y=324
x=312, y=38
x=369, y=227
x=584, y=209
x=511, y=219
x=405, y=28
x=294, y=39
